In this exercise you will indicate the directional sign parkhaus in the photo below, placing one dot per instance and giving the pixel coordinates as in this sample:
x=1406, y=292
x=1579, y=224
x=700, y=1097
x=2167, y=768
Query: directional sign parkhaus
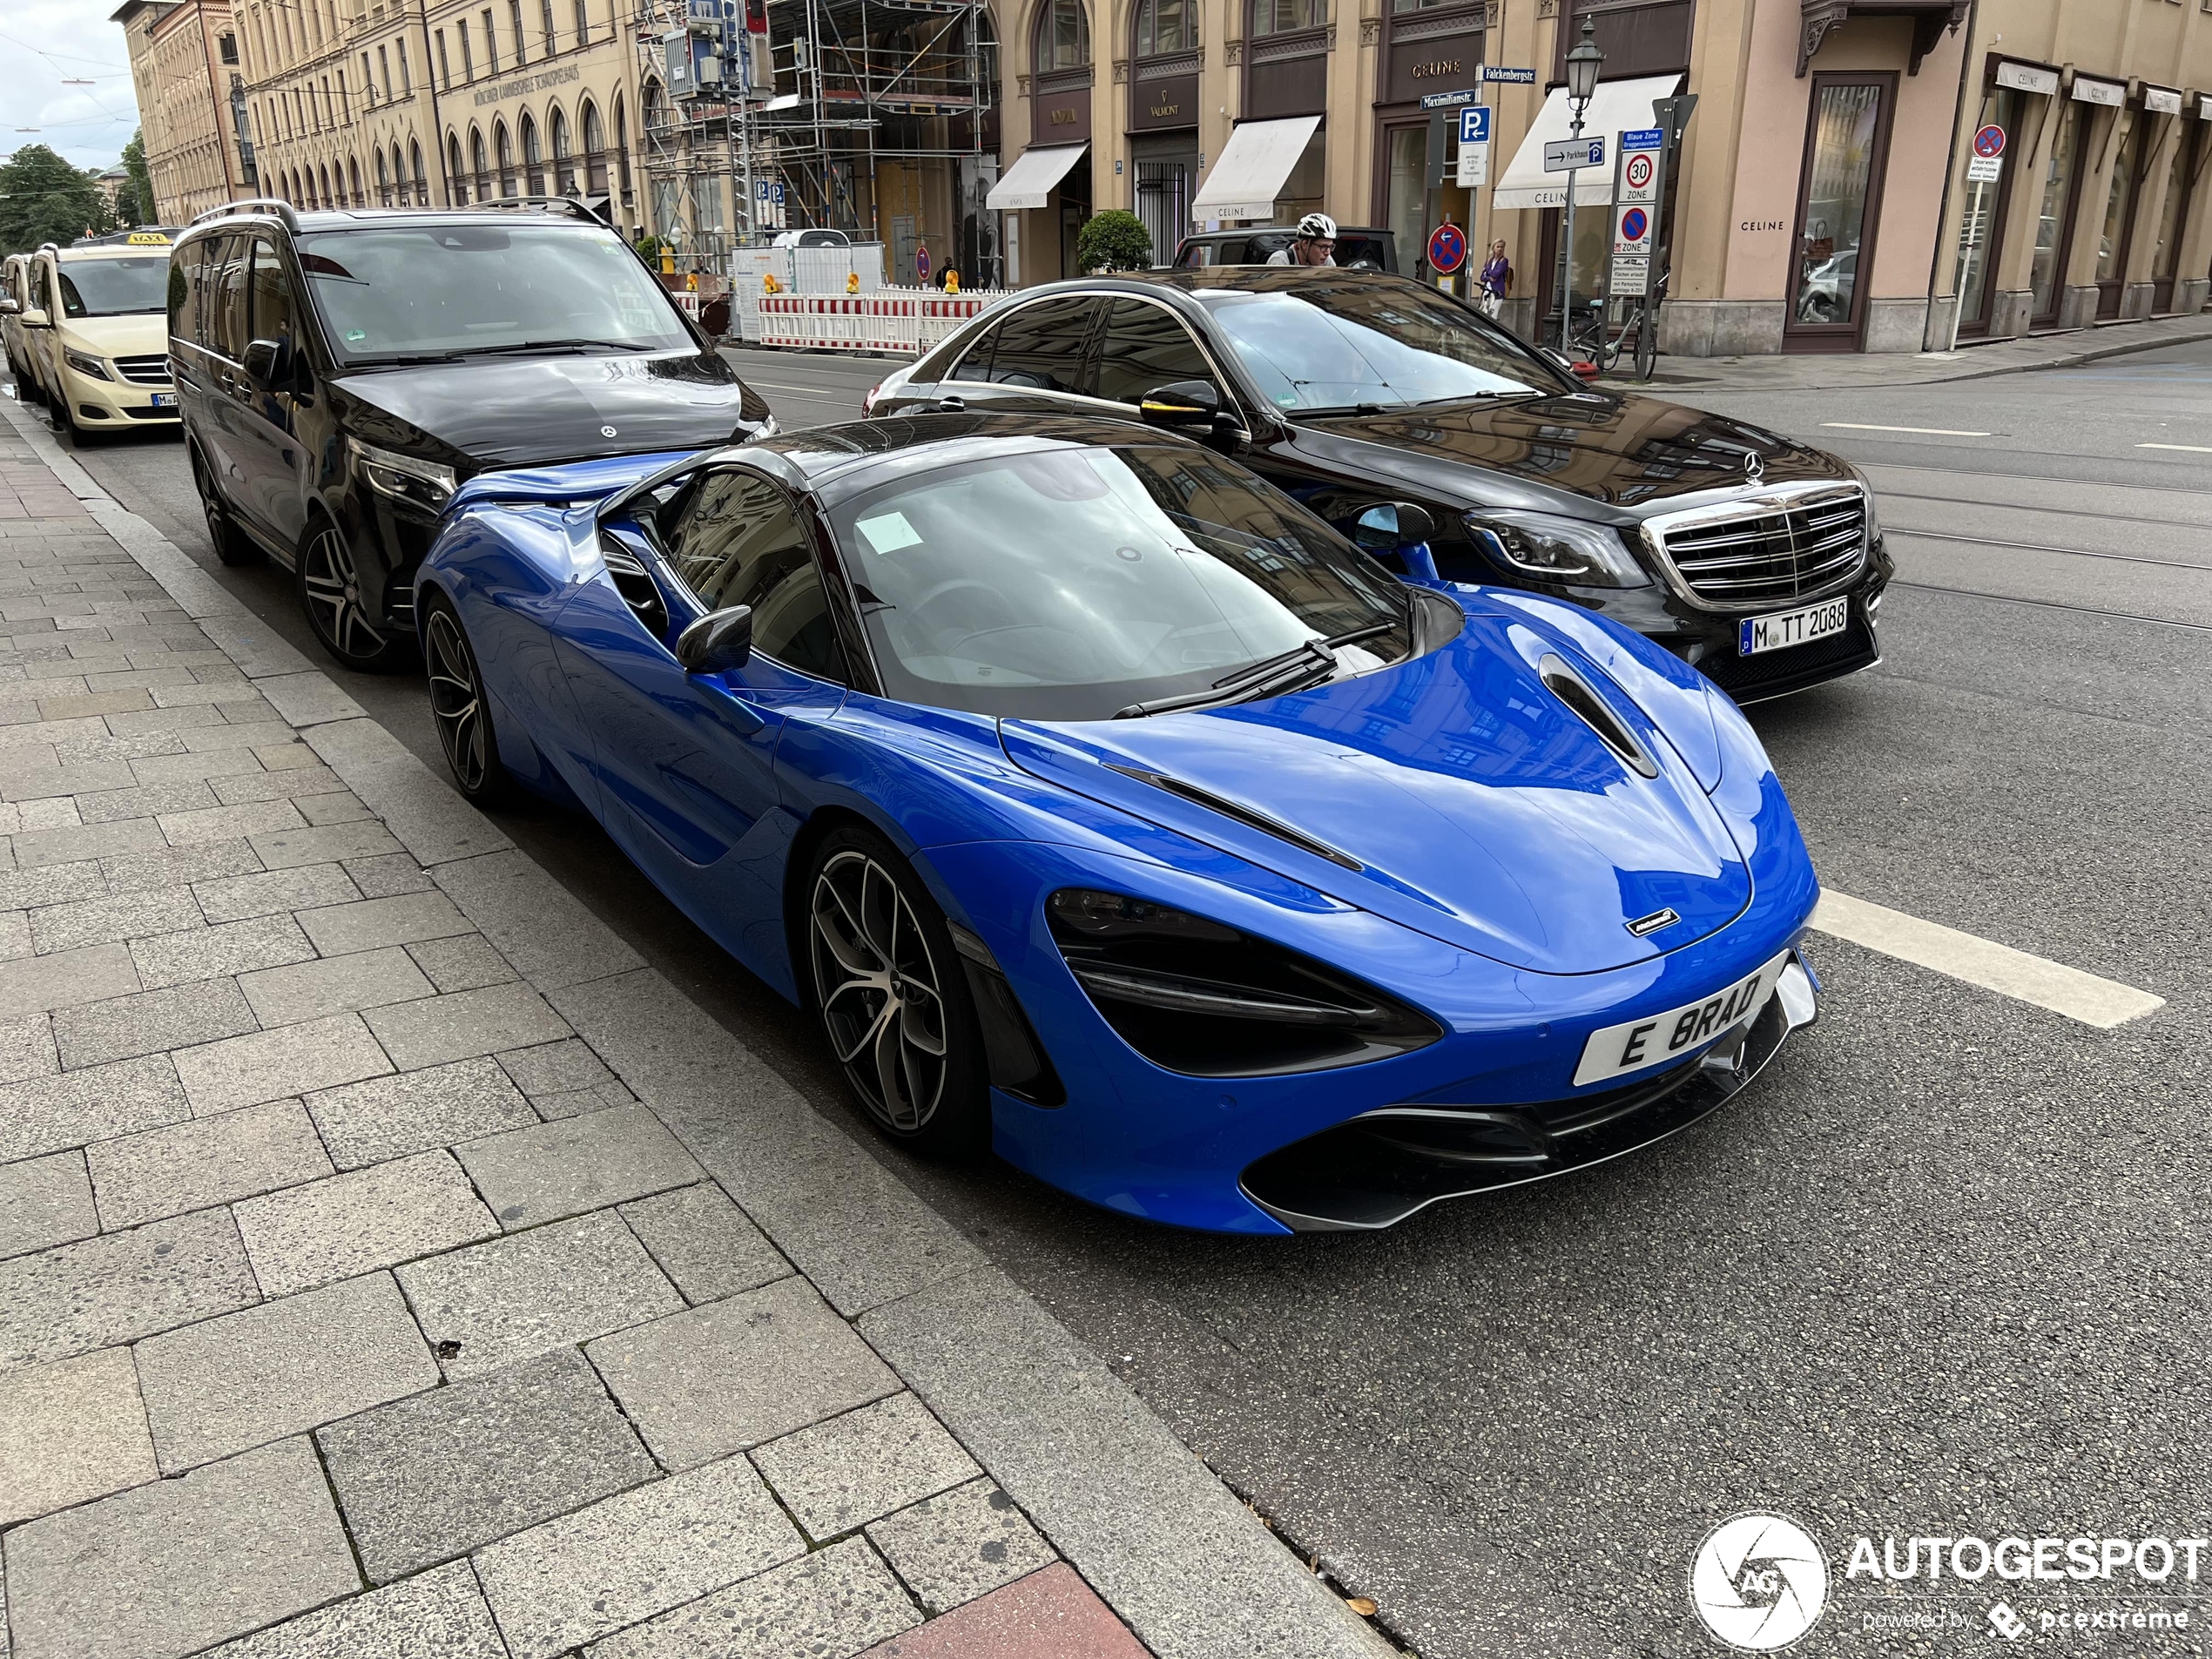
x=1565, y=155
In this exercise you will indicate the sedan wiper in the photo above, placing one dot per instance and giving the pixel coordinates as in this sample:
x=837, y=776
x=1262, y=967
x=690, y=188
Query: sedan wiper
x=1290, y=671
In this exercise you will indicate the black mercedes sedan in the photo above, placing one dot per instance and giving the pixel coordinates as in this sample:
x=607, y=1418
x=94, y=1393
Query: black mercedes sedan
x=1755, y=557
x=341, y=372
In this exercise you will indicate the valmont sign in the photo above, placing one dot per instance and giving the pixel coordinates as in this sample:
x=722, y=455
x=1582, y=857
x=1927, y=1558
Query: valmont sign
x=523, y=85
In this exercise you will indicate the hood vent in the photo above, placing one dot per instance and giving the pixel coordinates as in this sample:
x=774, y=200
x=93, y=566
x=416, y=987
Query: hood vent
x=1243, y=815
x=1569, y=688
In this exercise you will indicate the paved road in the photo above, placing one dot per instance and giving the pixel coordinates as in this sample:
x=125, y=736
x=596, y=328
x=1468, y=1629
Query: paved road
x=1941, y=1273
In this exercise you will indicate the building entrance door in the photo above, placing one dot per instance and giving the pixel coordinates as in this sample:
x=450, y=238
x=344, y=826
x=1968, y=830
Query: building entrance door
x=1839, y=204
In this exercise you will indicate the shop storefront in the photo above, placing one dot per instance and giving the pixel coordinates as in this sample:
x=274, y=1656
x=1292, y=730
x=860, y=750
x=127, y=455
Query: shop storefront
x=1424, y=48
x=1164, y=61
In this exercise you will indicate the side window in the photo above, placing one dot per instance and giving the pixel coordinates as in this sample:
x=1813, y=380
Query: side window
x=185, y=269
x=272, y=296
x=740, y=543
x=1040, y=347
x=975, y=362
x=223, y=317
x=1146, y=348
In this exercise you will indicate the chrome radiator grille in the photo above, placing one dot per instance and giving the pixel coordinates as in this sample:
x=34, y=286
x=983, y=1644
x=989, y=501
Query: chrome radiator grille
x=1752, y=554
x=145, y=371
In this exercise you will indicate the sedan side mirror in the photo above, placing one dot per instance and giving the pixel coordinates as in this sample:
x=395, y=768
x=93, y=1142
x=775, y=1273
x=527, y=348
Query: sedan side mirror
x=716, y=643
x=1394, y=524
x=1184, y=403
x=268, y=361
x=9, y=307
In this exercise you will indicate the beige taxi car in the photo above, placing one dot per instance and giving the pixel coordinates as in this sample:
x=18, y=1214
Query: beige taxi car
x=94, y=324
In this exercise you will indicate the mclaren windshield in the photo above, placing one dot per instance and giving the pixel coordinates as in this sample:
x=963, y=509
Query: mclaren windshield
x=1081, y=584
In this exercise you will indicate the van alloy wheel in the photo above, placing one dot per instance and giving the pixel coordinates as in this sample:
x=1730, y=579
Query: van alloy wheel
x=331, y=587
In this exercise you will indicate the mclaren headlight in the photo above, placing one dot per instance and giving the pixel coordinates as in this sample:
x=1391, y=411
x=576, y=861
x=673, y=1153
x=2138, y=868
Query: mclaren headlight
x=85, y=363
x=1209, y=1000
x=1555, y=550
x=409, y=480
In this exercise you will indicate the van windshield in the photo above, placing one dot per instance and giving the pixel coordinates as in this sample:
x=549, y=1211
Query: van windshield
x=396, y=292
x=114, y=287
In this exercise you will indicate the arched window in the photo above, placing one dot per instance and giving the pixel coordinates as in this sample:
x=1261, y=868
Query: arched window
x=1165, y=27
x=421, y=179
x=1063, y=36
x=354, y=181
x=622, y=149
x=499, y=140
x=595, y=153
x=456, y=177
x=384, y=181
x=564, y=174
x=327, y=198
x=1286, y=17
x=533, y=158
x=481, y=167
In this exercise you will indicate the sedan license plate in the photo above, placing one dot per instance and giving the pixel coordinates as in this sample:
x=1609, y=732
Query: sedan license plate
x=1786, y=628
x=1658, y=1038
x=165, y=400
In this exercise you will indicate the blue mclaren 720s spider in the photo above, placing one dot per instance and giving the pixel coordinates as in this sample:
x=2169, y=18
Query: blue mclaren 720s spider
x=1108, y=808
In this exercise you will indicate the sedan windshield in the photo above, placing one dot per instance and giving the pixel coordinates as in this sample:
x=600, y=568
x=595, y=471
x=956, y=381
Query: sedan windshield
x=1345, y=346
x=1075, y=584
x=408, y=291
x=114, y=287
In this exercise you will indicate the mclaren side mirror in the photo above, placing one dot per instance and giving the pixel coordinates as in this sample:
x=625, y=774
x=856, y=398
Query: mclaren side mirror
x=1403, y=529
x=716, y=643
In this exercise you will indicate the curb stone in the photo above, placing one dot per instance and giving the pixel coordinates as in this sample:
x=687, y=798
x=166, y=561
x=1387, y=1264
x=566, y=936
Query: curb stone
x=1176, y=1555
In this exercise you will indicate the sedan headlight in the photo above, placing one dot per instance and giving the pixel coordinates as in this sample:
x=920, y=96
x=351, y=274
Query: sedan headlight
x=423, y=485
x=1556, y=550
x=1206, y=1000
x=1874, y=524
x=85, y=363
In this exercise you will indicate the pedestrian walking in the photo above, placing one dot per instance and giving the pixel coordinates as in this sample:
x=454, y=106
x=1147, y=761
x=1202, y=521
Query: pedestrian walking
x=1496, y=281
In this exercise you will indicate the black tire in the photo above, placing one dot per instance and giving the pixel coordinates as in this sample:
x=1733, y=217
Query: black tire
x=879, y=970
x=459, y=708
x=330, y=594
x=232, y=545
x=66, y=417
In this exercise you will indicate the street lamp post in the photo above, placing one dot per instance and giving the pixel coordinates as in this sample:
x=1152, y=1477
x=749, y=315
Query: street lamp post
x=1582, y=65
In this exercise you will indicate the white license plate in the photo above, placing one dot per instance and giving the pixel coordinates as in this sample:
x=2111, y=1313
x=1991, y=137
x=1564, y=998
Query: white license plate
x=165, y=400
x=1787, y=628
x=1657, y=1038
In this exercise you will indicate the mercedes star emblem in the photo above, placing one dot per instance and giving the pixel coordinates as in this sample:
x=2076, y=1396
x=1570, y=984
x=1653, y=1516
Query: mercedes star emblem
x=609, y=432
x=1754, y=469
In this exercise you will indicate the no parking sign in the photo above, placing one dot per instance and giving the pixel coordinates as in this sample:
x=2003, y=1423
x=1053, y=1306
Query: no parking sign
x=1448, y=249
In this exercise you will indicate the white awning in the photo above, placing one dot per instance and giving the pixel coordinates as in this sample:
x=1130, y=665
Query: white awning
x=1252, y=172
x=1615, y=107
x=1033, y=177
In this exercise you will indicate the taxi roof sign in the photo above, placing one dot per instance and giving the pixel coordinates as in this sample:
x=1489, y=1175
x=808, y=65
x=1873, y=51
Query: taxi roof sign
x=145, y=239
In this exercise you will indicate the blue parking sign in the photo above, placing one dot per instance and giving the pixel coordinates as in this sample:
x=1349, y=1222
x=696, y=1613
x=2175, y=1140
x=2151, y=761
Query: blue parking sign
x=1474, y=124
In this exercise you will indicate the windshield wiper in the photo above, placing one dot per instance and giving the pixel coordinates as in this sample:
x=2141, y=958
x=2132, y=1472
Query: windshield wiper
x=1347, y=408
x=1286, y=672
x=404, y=359
x=557, y=345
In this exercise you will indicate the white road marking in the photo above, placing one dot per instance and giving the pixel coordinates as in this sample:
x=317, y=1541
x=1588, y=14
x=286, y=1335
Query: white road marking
x=2101, y=1002
x=1925, y=431
x=2193, y=449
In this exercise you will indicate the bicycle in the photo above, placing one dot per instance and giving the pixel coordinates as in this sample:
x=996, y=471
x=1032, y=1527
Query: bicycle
x=1600, y=344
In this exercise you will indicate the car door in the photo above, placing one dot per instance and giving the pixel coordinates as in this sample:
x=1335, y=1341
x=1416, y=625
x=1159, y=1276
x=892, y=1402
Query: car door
x=274, y=469
x=1039, y=362
x=221, y=342
x=39, y=342
x=685, y=762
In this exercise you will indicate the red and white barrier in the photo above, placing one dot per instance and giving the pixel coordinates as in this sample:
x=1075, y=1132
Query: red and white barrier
x=907, y=324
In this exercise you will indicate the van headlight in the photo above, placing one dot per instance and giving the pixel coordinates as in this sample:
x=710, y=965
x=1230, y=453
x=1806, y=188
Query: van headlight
x=1554, y=548
x=86, y=364
x=409, y=480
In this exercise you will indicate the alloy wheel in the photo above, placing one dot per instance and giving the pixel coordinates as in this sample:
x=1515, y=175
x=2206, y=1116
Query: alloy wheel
x=457, y=702
x=879, y=990
x=333, y=591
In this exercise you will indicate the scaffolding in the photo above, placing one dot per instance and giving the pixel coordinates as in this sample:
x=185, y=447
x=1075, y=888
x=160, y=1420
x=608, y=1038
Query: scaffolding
x=860, y=85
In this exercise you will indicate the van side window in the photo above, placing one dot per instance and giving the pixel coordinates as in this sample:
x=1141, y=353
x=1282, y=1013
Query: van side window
x=223, y=321
x=186, y=280
x=273, y=311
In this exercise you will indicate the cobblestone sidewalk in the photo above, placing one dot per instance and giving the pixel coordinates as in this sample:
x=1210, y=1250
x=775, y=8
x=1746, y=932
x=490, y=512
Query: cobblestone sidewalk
x=391, y=1263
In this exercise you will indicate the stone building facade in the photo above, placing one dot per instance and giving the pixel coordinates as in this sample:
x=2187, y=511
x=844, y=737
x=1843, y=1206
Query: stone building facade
x=187, y=69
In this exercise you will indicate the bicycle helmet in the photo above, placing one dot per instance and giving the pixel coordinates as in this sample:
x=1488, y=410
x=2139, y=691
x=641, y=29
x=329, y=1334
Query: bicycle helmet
x=1316, y=227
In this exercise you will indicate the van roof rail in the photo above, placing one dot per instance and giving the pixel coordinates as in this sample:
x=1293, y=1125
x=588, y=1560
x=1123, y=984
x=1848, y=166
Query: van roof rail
x=569, y=202
x=249, y=203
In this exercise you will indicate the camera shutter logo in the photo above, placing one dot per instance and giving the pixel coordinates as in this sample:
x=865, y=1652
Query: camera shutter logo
x=1759, y=1581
